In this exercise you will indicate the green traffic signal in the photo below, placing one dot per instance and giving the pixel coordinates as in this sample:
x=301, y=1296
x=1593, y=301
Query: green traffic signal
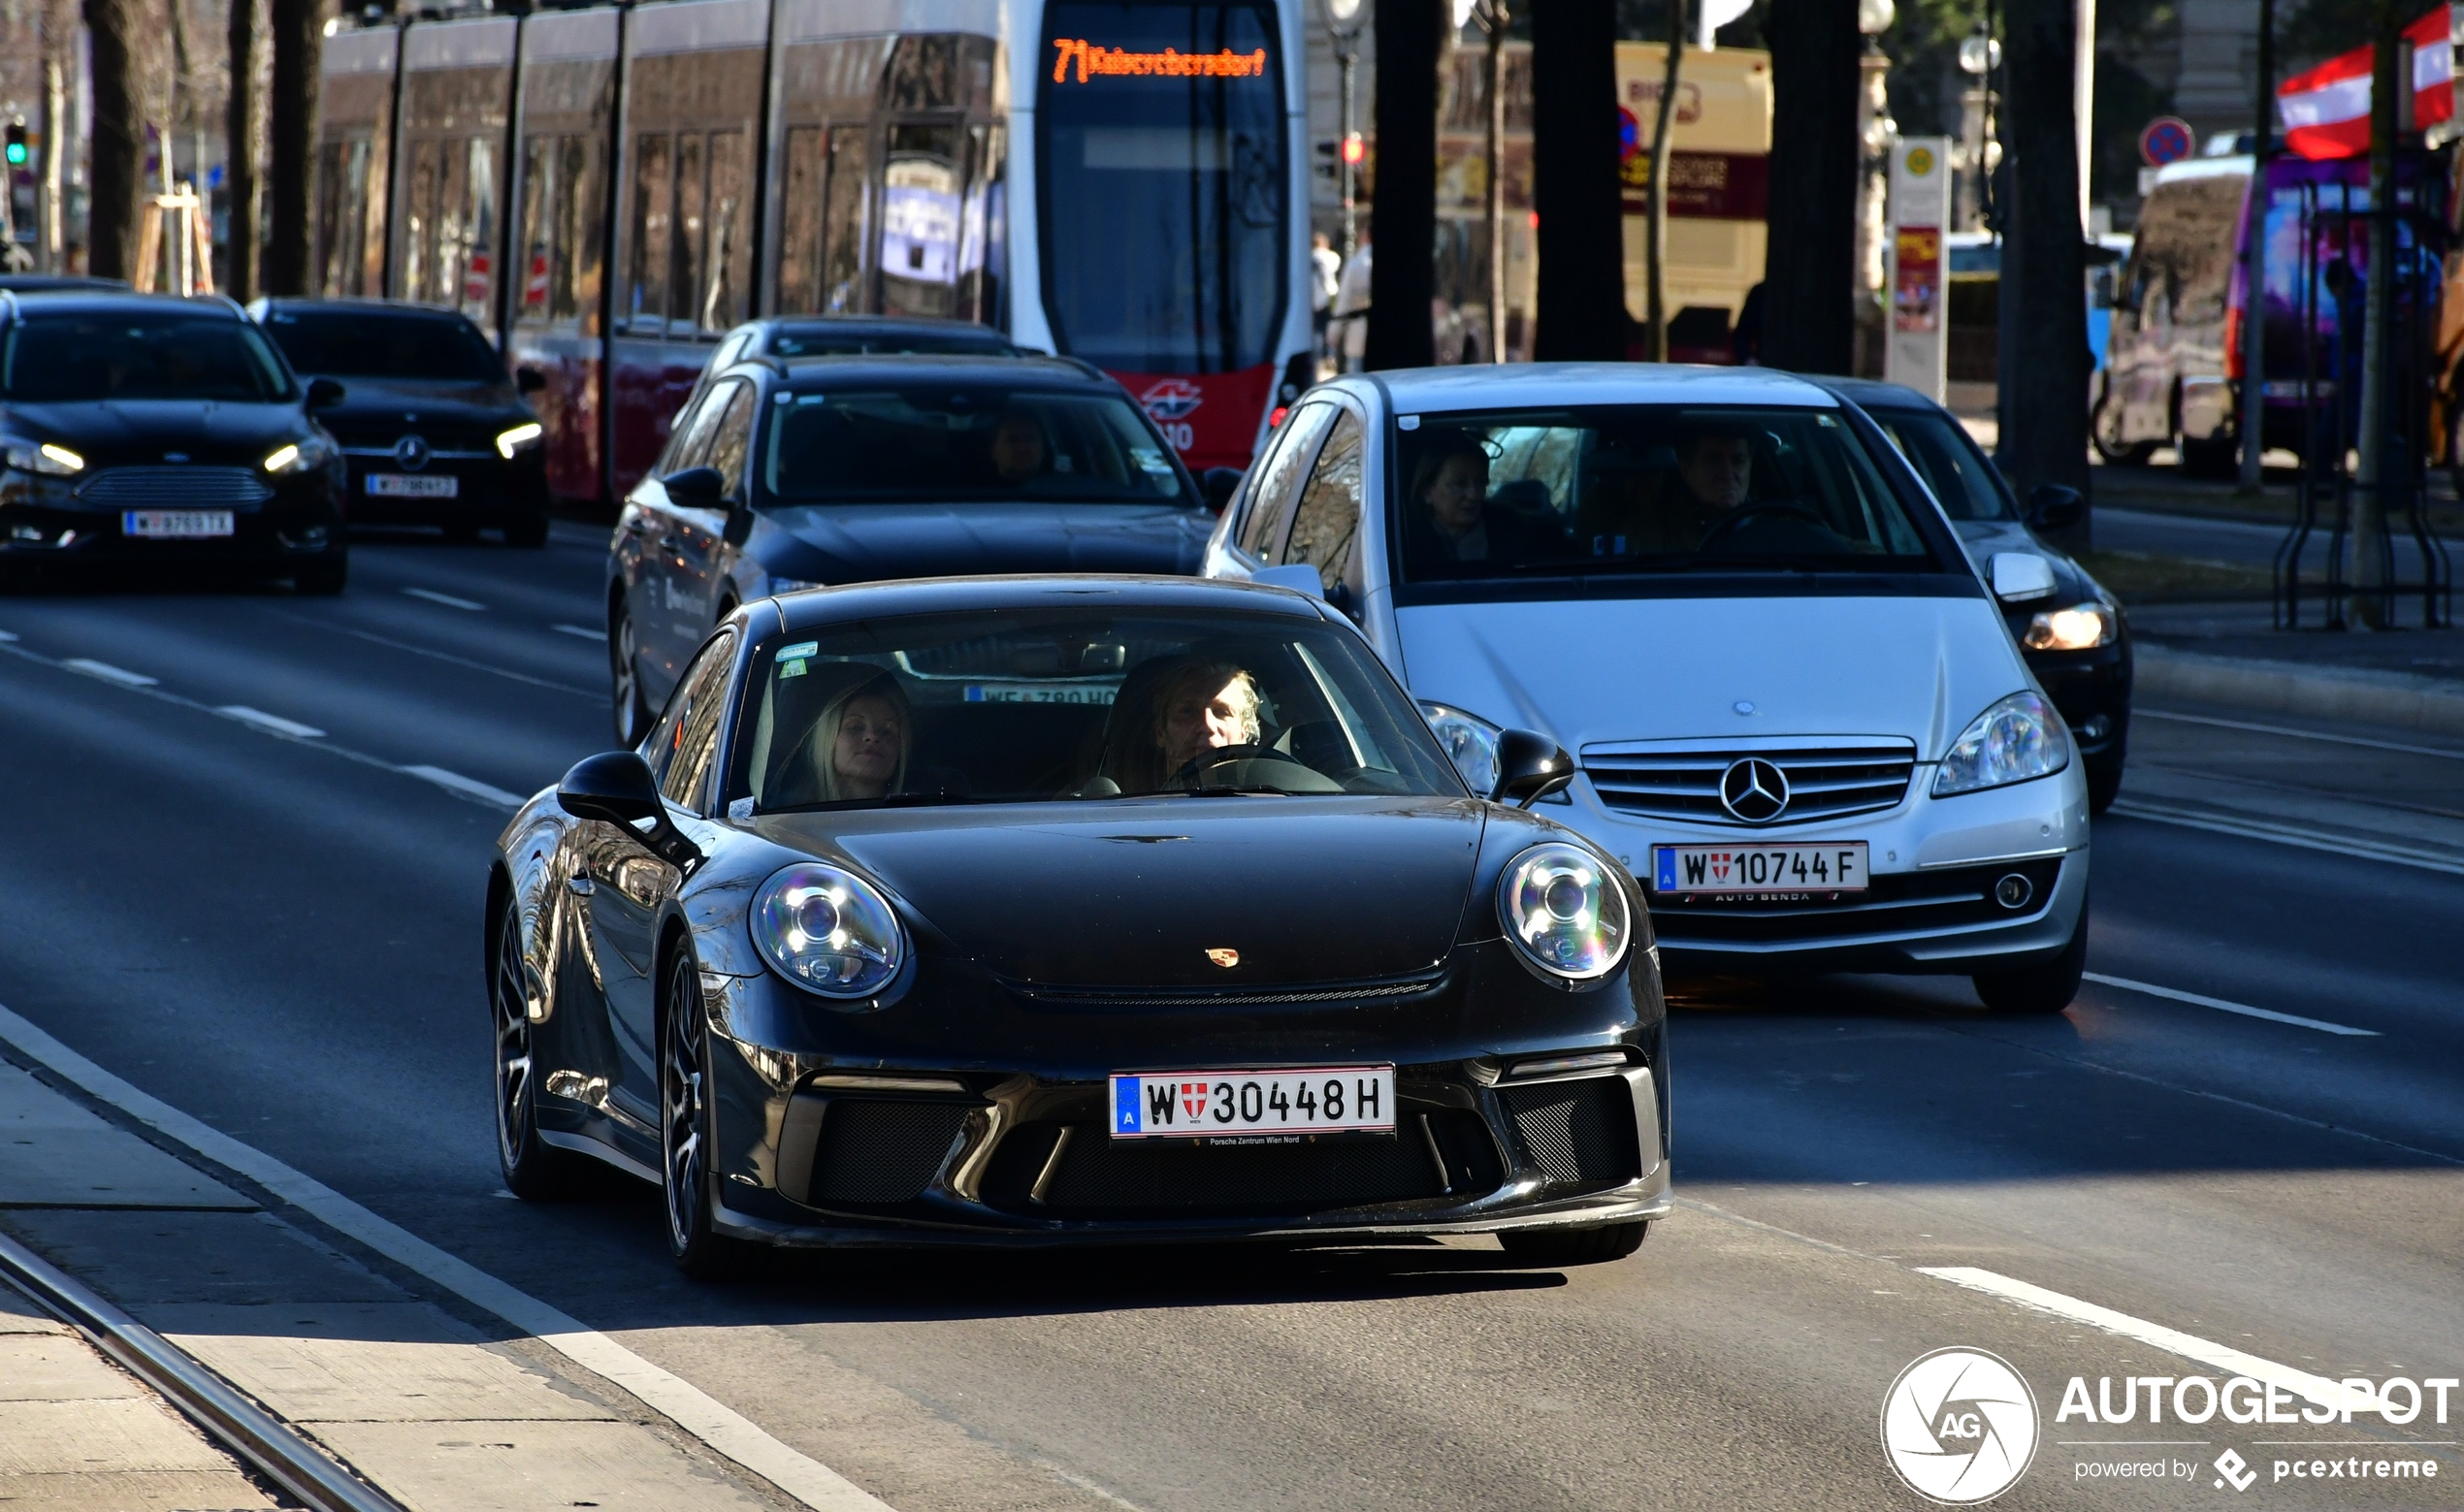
x=17, y=154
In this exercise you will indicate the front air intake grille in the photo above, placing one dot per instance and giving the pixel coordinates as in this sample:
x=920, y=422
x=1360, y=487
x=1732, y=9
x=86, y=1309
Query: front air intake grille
x=1677, y=780
x=1578, y=1133
x=1099, y=1177
x=177, y=487
x=879, y=1150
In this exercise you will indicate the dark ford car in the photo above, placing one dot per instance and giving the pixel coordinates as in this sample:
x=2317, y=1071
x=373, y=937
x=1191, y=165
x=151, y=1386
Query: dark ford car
x=434, y=429
x=795, y=474
x=2072, y=631
x=1036, y=911
x=148, y=428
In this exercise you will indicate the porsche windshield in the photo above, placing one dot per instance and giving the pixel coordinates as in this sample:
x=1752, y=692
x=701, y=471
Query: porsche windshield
x=966, y=445
x=1642, y=489
x=1050, y=704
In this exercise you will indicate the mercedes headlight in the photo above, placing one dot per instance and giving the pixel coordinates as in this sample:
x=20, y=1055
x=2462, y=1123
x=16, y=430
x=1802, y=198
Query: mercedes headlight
x=300, y=457
x=2017, y=738
x=2078, y=627
x=52, y=461
x=828, y=930
x=1564, y=910
x=520, y=438
x=1470, y=740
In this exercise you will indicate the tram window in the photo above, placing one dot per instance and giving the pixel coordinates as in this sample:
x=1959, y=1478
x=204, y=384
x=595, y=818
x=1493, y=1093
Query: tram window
x=982, y=252
x=419, y=230
x=537, y=227
x=685, y=263
x=477, y=294
x=581, y=211
x=730, y=232
x=800, y=237
x=342, y=228
x=646, y=301
x=844, y=230
x=920, y=206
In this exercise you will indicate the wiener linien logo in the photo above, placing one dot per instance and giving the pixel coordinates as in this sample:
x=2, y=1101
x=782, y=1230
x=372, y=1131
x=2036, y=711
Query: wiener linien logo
x=1958, y=1427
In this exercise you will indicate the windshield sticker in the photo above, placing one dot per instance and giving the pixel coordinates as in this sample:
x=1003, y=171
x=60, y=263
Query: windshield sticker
x=1170, y=63
x=794, y=668
x=800, y=650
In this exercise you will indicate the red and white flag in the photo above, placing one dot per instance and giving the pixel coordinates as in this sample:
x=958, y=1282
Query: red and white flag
x=2326, y=111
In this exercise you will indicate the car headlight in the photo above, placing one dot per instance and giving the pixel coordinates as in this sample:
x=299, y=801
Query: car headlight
x=299, y=457
x=54, y=461
x=828, y=930
x=1470, y=740
x=2017, y=738
x=2075, y=629
x=1565, y=910
x=520, y=438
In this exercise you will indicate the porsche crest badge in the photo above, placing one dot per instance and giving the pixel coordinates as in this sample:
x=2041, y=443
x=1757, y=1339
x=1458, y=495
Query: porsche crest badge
x=1225, y=955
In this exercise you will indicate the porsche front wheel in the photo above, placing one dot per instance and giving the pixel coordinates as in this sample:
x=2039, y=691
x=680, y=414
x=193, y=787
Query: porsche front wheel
x=699, y=1250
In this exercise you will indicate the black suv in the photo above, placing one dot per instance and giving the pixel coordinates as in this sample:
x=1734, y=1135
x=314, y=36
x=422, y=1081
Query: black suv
x=142, y=427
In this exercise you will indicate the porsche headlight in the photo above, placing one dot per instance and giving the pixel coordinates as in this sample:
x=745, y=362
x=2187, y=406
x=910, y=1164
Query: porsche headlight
x=1470, y=740
x=1564, y=910
x=828, y=930
x=299, y=457
x=520, y=438
x=2017, y=738
x=52, y=461
x=2078, y=627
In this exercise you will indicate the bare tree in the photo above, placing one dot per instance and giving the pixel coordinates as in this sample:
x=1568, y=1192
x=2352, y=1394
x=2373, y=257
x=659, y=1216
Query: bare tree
x=240, y=156
x=1402, y=214
x=116, y=172
x=1575, y=187
x=2044, y=436
x=1810, y=312
x=299, y=48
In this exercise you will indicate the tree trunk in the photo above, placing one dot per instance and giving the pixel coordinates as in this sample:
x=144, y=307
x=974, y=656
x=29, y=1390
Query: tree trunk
x=1809, y=312
x=1576, y=188
x=2045, y=436
x=1493, y=206
x=1663, y=127
x=1403, y=213
x=240, y=170
x=299, y=46
x=118, y=170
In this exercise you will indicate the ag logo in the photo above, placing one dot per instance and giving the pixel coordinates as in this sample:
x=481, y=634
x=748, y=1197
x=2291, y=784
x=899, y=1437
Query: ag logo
x=1173, y=399
x=1960, y=1427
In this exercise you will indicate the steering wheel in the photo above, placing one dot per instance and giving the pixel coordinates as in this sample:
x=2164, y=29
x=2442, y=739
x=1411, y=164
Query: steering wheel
x=1215, y=757
x=1743, y=515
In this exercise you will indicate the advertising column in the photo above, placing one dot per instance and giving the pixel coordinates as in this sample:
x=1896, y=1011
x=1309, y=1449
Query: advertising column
x=1920, y=210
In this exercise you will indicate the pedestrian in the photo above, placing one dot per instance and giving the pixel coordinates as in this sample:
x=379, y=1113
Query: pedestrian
x=1325, y=266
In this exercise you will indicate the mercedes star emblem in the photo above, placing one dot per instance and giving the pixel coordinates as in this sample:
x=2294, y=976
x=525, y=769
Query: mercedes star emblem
x=1754, y=790
x=411, y=452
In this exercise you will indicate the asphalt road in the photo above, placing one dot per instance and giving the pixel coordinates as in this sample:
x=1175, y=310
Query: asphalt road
x=278, y=932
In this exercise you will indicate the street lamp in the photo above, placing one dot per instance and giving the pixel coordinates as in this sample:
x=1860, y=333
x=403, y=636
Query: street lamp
x=1344, y=21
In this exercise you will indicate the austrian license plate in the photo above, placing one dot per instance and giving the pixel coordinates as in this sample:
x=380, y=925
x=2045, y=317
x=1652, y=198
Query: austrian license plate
x=1837, y=867
x=1271, y=1106
x=404, y=485
x=176, y=525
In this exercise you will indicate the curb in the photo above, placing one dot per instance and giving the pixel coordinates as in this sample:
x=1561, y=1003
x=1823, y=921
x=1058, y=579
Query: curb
x=2397, y=700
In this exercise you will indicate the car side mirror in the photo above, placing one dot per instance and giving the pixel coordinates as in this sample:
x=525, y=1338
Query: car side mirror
x=1530, y=766
x=696, y=488
x=1298, y=576
x=530, y=380
x=1219, y=484
x=616, y=787
x=2021, y=575
x=324, y=394
x=2055, y=506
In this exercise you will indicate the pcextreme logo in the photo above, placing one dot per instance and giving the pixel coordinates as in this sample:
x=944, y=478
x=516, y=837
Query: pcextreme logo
x=1958, y=1427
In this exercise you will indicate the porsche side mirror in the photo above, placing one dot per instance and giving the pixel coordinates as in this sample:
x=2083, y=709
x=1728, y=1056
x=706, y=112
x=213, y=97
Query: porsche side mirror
x=1219, y=484
x=1530, y=766
x=2055, y=506
x=530, y=380
x=324, y=394
x=616, y=787
x=696, y=488
x=2021, y=575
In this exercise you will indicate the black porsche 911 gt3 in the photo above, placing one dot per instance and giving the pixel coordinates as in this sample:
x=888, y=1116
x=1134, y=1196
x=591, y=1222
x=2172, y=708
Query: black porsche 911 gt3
x=1033, y=911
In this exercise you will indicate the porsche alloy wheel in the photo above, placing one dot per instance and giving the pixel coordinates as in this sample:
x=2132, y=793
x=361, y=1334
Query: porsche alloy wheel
x=624, y=665
x=684, y=1126
x=533, y=1170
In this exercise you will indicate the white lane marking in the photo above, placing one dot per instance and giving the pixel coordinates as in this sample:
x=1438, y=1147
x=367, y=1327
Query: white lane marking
x=2317, y=1389
x=582, y=630
x=2243, y=1008
x=2288, y=835
x=447, y=599
x=109, y=673
x=467, y=787
x=2296, y=734
x=809, y=1481
x=592, y=693
x=274, y=723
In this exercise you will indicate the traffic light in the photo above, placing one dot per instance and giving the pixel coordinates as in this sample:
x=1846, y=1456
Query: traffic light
x=1326, y=159
x=16, y=149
